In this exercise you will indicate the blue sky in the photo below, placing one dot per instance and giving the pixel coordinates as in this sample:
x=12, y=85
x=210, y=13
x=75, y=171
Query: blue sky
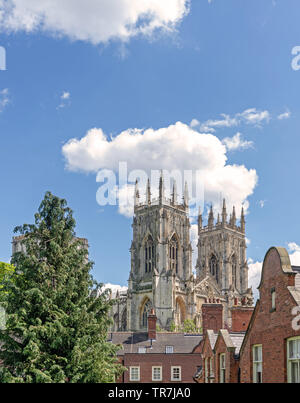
x=211, y=58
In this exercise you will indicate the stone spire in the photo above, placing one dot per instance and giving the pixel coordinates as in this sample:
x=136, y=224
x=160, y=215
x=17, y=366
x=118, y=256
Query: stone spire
x=243, y=222
x=218, y=220
x=200, y=221
x=211, y=217
x=161, y=188
x=186, y=195
x=136, y=194
x=148, y=193
x=224, y=213
x=174, y=194
x=233, y=219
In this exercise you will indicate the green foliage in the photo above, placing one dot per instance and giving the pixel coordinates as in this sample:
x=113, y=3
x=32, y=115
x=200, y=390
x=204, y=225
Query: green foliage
x=172, y=327
x=189, y=326
x=158, y=328
x=6, y=274
x=57, y=315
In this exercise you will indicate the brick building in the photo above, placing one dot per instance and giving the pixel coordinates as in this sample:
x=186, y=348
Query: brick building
x=271, y=349
x=220, y=348
x=157, y=356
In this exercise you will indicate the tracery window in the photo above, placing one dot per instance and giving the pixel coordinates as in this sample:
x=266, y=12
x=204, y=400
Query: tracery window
x=234, y=271
x=149, y=255
x=214, y=267
x=173, y=254
x=146, y=309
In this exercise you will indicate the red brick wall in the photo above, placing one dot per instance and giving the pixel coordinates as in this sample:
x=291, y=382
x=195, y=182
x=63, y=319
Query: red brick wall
x=240, y=318
x=212, y=317
x=231, y=375
x=188, y=362
x=271, y=329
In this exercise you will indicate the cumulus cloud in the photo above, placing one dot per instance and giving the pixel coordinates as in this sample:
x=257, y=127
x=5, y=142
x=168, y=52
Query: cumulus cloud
x=255, y=269
x=115, y=288
x=95, y=21
x=294, y=252
x=236, y=143
x=4, y=99
x=177, y=147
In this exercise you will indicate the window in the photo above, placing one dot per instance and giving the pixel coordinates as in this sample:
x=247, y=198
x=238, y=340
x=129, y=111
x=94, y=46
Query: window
x=273, y=299
x=149, y=255
x=156, y=373
x=206, y=370
x=173, y=254
x=257, y=364
x=214, y=268
x=176, y=374
x=134, y=374
x=222, y=368
x=293, y=357
x=211, y=369
x=169, y=349
x=234, y=271
x=142, y=350
x=146, y=309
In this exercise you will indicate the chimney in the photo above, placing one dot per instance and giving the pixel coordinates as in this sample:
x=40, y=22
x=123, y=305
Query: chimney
x=152, y=319
x=240, y=318
x=212, y=317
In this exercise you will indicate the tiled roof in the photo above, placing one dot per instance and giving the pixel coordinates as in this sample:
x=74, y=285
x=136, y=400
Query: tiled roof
x=182, y=343
x=237, y=340
x=212, y=338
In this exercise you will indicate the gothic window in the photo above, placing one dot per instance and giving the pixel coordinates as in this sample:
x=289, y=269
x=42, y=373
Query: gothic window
x=124, y=321
x=149, y=255
x=214, y=267
x=146, y=309
x=173, y=254
x=234, y=271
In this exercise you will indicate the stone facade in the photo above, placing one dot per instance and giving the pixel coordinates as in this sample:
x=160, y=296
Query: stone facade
x=161, y=275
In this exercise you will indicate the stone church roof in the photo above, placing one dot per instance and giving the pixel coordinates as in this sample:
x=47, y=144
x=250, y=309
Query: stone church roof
x=182, y=343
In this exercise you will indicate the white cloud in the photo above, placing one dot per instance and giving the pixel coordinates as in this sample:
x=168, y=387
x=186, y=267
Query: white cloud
x=4, y=99
x=95, y=21
x=250, y=116
x=262, y=203
x=175, y=147
x=294, y=252
x=114, y=288
x=236, y=143
x=255, y=269
x=65, y=100
x=284, y=115
x=255, y=117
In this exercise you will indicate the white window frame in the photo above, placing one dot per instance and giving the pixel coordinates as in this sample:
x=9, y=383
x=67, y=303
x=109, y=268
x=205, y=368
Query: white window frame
x=206, y=370
x=138, y=377
x=222, y=371
x=293, y=360
x=154, y=379
x=257, y=362
x=273, y=299
x=211, y=369
x=169, y=349
x=174, y=379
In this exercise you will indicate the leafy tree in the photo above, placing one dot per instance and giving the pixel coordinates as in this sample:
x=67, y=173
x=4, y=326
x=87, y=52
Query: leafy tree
x=189, y=326
x=6, y=274
x=172, y=327
x=57, y=315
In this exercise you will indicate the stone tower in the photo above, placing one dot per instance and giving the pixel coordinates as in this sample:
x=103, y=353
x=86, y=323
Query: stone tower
x=222, y=258
x=161, y=260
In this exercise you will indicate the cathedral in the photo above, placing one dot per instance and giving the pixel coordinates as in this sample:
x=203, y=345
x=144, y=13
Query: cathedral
x=161, y=275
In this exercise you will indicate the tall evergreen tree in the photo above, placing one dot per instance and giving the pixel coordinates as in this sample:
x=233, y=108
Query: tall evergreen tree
x=57, y=315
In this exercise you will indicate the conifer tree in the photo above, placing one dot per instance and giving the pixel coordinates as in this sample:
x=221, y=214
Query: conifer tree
x=57, y=315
